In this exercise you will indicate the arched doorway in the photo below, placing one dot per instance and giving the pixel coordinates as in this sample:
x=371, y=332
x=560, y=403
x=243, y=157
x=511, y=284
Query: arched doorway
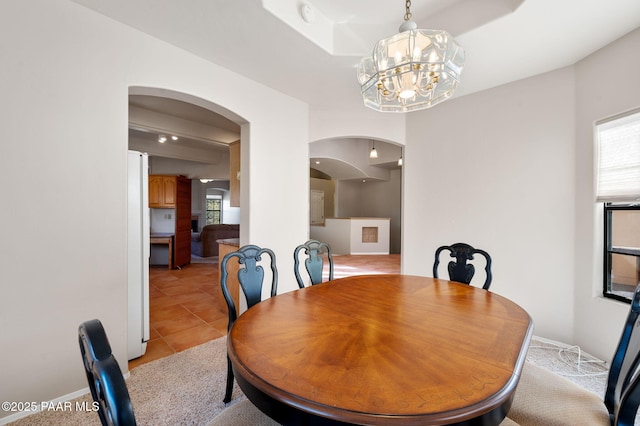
x=189, y=137
x=355, y=185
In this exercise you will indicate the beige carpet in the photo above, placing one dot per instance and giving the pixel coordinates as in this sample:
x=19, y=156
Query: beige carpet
x=187, y=388
x=570, y=362
x=183, y=389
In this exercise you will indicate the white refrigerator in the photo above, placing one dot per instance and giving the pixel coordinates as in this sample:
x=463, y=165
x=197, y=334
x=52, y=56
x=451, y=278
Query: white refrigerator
x=138, y=244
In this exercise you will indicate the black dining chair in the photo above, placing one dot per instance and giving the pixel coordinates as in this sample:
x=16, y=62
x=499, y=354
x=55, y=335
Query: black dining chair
x=250, y=277
x=106, y=382
x=460, y=270
x=314, y=263
x=545, y=398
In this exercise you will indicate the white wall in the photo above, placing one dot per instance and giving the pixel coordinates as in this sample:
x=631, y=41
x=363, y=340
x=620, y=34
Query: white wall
x=361, y=123
x=515, y=177
x=336, y=233
x=496, y=170
x=606, y=84
x=65, y=82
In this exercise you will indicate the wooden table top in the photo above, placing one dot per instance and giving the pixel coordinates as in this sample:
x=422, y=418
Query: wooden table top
x=383, y=349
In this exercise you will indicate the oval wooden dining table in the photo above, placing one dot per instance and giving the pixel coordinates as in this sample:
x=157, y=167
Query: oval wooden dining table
x=382, y=350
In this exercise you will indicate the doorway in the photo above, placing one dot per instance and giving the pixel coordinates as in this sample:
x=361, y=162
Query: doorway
x=184, y=136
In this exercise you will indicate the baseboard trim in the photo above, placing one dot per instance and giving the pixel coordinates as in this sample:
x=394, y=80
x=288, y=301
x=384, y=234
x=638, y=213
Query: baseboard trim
x=23, y=414
x=62, y=399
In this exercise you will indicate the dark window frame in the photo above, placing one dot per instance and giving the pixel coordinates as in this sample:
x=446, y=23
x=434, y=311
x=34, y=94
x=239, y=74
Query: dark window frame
x=217, y=201
x=609, y=250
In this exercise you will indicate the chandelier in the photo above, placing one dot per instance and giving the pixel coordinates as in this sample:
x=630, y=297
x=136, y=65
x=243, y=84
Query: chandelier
x=412, y=70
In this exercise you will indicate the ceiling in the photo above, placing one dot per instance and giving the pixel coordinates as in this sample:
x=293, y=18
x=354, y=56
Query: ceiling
x=197, y=128
x=190, y=112
x=504, y=40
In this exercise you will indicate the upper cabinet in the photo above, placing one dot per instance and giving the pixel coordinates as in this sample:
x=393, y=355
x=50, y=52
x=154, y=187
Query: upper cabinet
x=162, y=191
x=234, y=174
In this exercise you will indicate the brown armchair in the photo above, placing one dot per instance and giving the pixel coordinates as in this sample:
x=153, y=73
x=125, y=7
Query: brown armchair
x=211, y=234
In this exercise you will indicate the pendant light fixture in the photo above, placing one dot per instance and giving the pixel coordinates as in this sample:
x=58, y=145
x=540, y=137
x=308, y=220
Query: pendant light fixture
x=412, y=70
x=373, y=153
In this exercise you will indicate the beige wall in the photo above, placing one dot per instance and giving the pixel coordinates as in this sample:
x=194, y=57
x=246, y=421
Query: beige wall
x=496, y=170
x=66, y=75
x=509, y=170
x=598, y=321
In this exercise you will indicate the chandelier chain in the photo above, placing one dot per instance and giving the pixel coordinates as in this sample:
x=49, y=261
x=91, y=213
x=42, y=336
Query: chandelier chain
x=407, y=15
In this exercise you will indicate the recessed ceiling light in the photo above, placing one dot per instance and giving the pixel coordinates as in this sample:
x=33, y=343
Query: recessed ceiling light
x=317, y=162
x=174, y=138
x=162, y=138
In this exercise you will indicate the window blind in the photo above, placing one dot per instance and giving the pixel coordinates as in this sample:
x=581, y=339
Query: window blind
x=618, y=151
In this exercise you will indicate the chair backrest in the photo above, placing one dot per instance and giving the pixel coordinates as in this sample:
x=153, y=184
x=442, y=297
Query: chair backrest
x=105, y=379
x=460, y=270
x=250, y=276
x=622, y=396
x=314, y=263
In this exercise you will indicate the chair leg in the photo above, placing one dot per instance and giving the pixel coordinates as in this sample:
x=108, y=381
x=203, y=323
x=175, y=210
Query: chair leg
x=227, y=395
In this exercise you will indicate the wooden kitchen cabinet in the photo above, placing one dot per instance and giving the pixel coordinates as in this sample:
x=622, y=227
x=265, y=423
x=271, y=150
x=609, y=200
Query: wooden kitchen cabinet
x=174, y=192
x=162, y=191
x=182, y=239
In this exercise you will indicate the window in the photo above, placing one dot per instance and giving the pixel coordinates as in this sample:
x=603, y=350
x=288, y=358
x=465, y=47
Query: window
x=618, y=186
x=214, y=210
x=622, y=250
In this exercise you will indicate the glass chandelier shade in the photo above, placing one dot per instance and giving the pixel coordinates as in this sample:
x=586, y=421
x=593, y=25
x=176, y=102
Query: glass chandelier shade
x=412, y=70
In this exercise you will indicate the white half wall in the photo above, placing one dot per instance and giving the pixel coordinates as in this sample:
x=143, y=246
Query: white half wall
x=354, y=235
